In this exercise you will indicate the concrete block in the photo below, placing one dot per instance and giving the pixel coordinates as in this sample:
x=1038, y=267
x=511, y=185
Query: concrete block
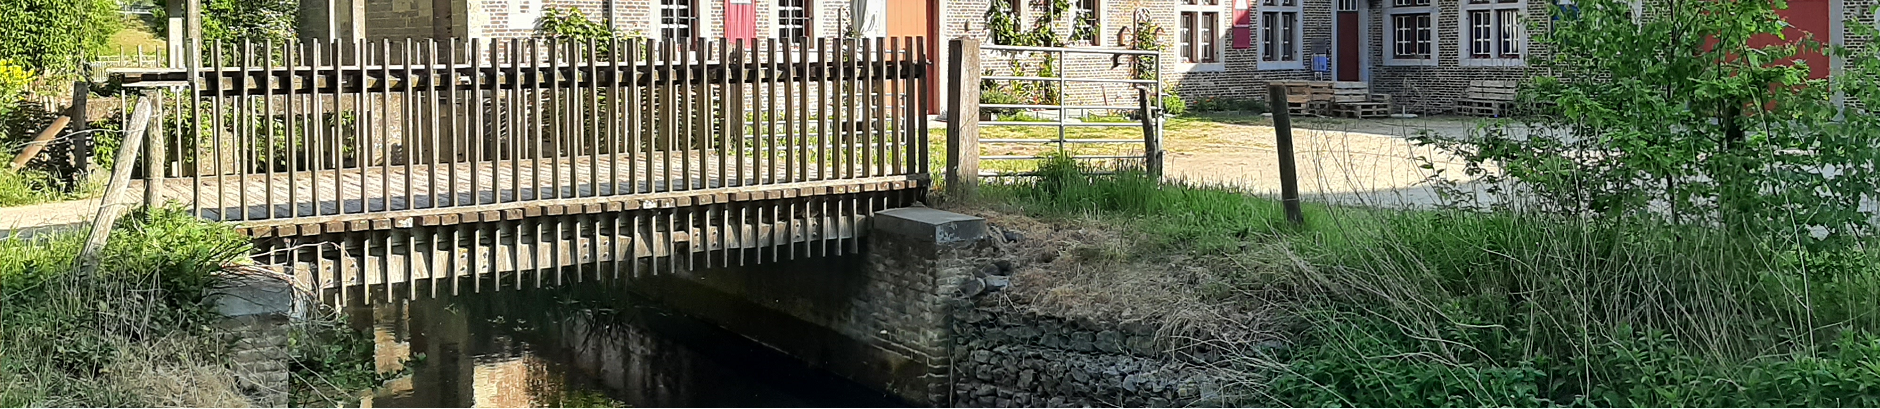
x=940, y=226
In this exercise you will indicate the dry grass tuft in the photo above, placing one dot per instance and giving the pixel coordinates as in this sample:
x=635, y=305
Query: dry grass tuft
x=176, y=371
x=1094, y=274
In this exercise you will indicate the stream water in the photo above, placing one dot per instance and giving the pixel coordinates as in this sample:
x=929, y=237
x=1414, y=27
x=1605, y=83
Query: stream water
x=580, y=345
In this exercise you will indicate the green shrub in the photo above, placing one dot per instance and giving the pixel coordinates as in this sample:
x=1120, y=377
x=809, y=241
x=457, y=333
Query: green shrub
x=1173, y=105
x=13, y=82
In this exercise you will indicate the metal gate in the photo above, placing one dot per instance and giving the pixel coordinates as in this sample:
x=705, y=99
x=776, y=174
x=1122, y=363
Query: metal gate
x=1063, y=93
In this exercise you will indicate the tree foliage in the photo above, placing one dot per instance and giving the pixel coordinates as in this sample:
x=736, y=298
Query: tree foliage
x=55, y=36
x=1681, y=115
x=238, y=20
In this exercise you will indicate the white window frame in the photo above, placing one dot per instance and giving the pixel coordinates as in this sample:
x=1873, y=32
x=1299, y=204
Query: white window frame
x=1298, y=34
x=809, y=21
x=1201, y=9
x=1497, y=28
x=1096, y=9
x=699, y=14
x=1391, y=11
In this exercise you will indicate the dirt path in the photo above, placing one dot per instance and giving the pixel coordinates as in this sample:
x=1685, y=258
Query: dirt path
x=1342, y=161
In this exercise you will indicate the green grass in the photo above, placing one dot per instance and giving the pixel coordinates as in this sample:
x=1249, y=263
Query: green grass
x=19, y=188
x=134, y=334
x=1457, y=308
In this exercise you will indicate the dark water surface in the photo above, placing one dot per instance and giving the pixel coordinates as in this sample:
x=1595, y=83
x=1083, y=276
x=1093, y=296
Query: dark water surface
x=580, y=345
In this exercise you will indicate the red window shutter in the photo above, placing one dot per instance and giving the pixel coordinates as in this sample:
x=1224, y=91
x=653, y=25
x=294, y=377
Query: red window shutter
x=1243, y=25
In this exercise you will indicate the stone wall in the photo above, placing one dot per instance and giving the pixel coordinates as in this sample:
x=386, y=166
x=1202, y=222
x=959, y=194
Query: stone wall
x=1007, y=358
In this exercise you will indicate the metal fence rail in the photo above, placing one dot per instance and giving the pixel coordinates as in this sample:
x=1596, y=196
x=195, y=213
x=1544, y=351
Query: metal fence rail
x=329, y=130
x=964, y=110
x=1148, y=103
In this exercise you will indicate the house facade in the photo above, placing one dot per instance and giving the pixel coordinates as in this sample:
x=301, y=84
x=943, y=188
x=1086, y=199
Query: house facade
x=1423, y=53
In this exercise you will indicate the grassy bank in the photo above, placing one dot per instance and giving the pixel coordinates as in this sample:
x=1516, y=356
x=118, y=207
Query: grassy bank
x=136, y=333
x=1454, y=308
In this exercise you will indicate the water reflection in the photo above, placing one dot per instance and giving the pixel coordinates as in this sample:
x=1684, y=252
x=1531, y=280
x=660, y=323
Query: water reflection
x=587, y=345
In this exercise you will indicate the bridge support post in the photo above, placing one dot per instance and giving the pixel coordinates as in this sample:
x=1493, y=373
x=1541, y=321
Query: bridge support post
x=918, y=259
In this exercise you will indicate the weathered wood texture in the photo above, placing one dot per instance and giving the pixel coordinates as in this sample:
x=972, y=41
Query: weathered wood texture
x=358, y=130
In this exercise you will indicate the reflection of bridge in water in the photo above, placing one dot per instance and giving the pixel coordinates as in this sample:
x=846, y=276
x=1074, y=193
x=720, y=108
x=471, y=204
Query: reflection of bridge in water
x=479, y=157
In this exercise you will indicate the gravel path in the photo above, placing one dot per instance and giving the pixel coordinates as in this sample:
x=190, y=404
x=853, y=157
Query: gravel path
x=1341, y=161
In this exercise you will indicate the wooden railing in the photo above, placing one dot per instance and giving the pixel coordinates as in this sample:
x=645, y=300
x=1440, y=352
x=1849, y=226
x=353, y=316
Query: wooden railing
x=335, y=130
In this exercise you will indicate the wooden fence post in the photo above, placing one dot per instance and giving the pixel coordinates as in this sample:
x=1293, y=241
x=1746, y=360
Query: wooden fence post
x=962, y=174
x=153, y=151
x=82, y=144
x=1151, y=135
x=1288, y=172
x=134, y=135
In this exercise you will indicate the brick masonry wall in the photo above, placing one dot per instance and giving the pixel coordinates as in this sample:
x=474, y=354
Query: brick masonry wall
x=1434, y=89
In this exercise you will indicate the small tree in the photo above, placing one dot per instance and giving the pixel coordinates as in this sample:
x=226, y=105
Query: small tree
x=53, y=37
x=1677, y=115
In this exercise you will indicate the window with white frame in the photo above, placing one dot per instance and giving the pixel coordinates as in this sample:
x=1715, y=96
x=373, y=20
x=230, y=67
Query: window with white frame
x=1493, y=31
x=1412, y=32
x=1087, y=21
x=678, y=19
x=1279, y=34
x=1199, y=38
x=792, y=20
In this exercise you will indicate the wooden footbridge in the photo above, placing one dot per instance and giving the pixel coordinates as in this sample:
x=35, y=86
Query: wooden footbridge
x=405, y=162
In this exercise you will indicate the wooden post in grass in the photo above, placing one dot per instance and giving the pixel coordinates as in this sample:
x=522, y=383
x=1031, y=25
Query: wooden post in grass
x=1288, y=172
x=1151, y=139
x=962, y=174
x=134, y=136
x=82, y=141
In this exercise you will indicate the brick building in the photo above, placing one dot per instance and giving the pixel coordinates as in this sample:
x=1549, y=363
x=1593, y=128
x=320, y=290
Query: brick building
x=1421, y=52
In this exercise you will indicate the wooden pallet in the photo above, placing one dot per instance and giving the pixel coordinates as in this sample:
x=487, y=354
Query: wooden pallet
x=1313, y=108
x=1482, y=108
x=1361, y=110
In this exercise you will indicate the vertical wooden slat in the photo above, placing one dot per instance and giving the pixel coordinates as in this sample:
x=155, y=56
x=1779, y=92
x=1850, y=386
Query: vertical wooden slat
x=408, y=136
x=362, y=120
x=762, y=97
x=267, y=152
x=557, y=117
x=316, y=147
x=726, y=117
x=878, y=98
x=514, y=111
x=533, y=118
x=901, y=101
x=194, y=92
x=616, y=119
x=596, y=120
x=802, y=146
x=384, y=109
x=217, y=133
x=295, y=132
x=687, y=111
x=793, y=93
x=823, y=109
x=478, y=136
x=851, y=106
x=865, y=120
x=244, y=131
x=669, y=110
x=918, y=132
x=634, y=118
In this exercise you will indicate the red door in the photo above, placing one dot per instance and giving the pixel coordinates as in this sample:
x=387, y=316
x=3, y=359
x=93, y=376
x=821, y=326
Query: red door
x=1348, y=63
x=1806, y=18
x=914, y=18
